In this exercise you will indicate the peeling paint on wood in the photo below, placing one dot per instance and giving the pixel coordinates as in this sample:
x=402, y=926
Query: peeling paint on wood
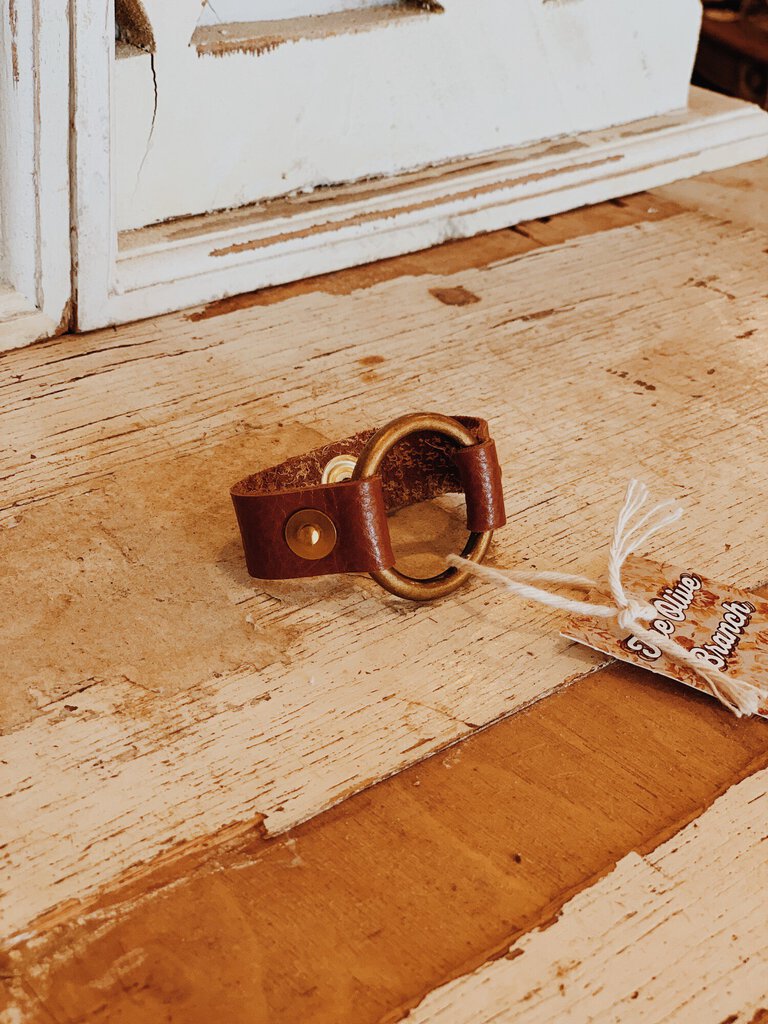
x=453, y=256
x=35, y=266
x=13, y=22
x=678, y=934
x=417, y=98
x=257, y=37
x=140, y=431
x=170, y=265
x=380, y=189
x=363, y=218
x=133, y=25
x=484, y=842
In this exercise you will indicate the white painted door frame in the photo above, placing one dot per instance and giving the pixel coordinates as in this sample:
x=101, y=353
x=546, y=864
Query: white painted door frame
x=199, y=259
x=35, y=269
x=240, y=112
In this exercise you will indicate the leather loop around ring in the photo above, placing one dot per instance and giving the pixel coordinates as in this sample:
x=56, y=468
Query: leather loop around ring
x=480, y=476
x=423, y=465
x=374, y=453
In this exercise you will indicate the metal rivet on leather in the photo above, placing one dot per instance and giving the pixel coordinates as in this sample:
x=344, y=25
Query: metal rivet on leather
x=310, y=534
x=341, y=467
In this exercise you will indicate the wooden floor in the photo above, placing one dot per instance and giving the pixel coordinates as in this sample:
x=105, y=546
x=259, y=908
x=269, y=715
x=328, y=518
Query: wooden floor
x=177, y=735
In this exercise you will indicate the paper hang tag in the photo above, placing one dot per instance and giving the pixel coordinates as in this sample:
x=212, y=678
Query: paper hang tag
x=725, y=627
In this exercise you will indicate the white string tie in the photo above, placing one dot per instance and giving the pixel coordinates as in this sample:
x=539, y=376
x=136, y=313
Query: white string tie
x=632, y=531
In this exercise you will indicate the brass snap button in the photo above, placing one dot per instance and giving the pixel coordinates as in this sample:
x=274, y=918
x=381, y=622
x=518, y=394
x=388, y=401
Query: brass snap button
x=310, y=534
x=340, y=468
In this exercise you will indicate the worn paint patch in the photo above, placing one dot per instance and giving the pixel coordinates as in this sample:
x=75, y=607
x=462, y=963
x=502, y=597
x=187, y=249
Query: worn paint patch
x=260, y=37
x=671, y=935
x=338, y=225
x=13, y=20
x=456, y=870
x=457, y=296
x=133, y=24
x=134, y=581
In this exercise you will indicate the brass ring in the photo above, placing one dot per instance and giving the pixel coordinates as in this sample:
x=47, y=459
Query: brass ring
x=368, y=464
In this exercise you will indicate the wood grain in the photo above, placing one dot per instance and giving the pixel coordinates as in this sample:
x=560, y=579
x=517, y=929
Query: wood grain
x=174, y=695
x=355, y=916
x=737, y=195
x=679, y=934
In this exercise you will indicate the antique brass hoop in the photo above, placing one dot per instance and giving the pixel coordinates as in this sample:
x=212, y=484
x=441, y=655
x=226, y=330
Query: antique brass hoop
x=368, y=465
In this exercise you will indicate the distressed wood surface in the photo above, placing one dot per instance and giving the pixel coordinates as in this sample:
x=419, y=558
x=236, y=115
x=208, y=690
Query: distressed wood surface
x=258, y=37
x=737, y=195
x=174, y=695
x=192, y=259
x=355, y=916
x=678, y=934
x=435, y=107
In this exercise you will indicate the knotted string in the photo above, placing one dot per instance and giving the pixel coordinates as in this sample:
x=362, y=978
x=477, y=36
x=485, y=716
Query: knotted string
x=632, y=531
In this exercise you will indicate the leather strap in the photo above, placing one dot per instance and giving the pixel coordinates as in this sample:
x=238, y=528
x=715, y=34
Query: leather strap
x=422, y=466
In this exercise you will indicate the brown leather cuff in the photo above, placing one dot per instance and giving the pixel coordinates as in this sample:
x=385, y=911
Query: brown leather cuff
x=423, y=465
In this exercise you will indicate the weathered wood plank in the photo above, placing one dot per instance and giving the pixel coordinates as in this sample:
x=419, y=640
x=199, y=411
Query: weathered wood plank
x=738, y=194
x=356, y=915
x=635, y=351
x=678, y=934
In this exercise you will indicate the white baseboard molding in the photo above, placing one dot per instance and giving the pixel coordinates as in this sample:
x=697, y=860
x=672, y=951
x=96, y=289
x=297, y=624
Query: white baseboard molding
x=21, y=322
x=194, y=260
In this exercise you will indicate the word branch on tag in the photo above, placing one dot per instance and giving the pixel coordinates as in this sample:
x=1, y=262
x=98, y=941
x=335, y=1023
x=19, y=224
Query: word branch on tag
x=720, y=626
x=678, y=623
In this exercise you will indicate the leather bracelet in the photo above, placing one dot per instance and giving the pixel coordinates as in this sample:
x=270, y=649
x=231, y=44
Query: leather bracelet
x=326, y=511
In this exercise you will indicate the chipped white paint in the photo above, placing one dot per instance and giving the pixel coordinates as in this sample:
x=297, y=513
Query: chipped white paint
x=263, y=10
x=136, y=431
x=243, y=127
x=34, y=169
x=165, y=135
x=154, y=270
x=677, y=935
